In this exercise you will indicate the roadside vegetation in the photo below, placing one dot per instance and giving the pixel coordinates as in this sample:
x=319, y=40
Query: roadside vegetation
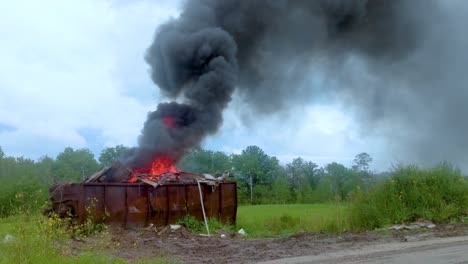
x=274, y=199
x=32, y=238
x=410, y=193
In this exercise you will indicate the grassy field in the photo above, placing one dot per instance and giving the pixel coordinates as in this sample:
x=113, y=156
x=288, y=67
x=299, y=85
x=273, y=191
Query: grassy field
x=32, y=238
x=281, y=220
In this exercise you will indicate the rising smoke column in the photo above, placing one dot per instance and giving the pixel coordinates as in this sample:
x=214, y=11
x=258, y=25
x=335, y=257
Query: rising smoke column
x=265, y=49
x=198, y=65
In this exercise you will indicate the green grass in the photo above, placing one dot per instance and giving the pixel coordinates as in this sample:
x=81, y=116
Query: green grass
x=40, y=240
x=282, y=220
x=196, y=226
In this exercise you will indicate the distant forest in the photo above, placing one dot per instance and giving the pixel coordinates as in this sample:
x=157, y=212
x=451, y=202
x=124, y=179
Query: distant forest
x=261, y=178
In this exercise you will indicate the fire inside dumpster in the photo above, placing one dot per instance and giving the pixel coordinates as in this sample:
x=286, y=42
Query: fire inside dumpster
x=160, y=195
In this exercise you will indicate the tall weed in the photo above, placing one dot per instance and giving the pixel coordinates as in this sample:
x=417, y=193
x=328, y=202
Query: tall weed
x=439, y=194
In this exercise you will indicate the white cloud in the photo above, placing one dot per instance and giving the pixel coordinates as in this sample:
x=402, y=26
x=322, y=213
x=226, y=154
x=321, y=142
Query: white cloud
x=68, y=66
x=319, y=133
x=73, y=66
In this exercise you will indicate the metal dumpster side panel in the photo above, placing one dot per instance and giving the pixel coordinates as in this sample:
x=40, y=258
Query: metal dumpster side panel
x=193, y=201
x=93, y=203
x=211, y=201
x=228, y=204
x=115, y=204
x=159, y=206
x=138, y=205
x=177, y=206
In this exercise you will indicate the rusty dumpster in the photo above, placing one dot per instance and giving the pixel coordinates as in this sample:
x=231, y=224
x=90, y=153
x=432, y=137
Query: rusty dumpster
x=138, y=204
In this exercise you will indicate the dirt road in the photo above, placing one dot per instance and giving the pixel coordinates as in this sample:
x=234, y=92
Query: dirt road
x=433, y=251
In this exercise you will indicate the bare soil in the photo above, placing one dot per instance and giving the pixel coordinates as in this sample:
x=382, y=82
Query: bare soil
x=188, y=247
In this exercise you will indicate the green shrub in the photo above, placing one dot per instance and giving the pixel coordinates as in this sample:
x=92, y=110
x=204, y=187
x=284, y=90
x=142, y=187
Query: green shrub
x=214, y=224
x=21, y=194
x=196, y=226
x=192, y=224
x=92, y=225
x=411, y=193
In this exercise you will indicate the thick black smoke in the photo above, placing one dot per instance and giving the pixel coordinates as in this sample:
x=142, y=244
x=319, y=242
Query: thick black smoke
x=199, y=66
x=379, y=56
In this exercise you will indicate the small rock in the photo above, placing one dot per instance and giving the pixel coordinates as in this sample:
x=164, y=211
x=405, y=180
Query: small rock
x=426, y=224
x=415, y=225
x=175, y=227
x=396, y=227
x=8, y=238
x=223, y=236
x=411, y=227
x=241, y=232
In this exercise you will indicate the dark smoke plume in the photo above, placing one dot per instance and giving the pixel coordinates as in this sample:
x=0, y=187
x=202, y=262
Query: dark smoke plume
x=377, y=55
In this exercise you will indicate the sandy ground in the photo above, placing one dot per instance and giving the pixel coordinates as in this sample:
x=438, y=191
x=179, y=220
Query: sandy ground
x=192, y=248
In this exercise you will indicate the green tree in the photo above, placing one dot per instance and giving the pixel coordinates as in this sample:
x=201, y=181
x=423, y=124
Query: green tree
x=257, y=171
x=362, y=162
x=254, y=163
x=206, y=161
x=221, y=162
x=2, y=169
x=281, y=190
x=302, y=173
x=45, y=167
x=341, y=180
x=361, y=165
x=74, y=165
x=304, y=178
x=110, y=155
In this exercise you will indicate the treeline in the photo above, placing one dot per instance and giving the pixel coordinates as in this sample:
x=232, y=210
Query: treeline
x=261, y=178
x=24, y=182
x=406, y=193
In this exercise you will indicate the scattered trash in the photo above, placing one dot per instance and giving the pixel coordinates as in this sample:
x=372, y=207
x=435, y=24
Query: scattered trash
x=175, y=227
x=8, y=238
x=241, y=232
x=415, y=225
x=209, y=176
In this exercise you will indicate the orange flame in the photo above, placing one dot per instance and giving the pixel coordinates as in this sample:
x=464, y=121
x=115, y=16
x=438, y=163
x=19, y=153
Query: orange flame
x=160, y=165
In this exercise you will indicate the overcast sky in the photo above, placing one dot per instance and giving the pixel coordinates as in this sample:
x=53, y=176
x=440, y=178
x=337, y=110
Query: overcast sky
x=72, y=74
